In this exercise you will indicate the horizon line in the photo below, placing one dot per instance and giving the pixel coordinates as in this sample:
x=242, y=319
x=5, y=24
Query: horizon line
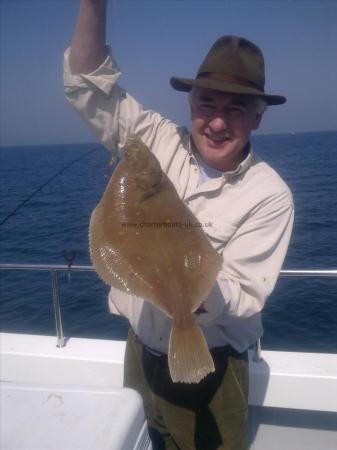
x=99, y=143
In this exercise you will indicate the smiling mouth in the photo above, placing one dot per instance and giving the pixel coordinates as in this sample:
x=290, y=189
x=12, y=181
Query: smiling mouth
x=217, y=140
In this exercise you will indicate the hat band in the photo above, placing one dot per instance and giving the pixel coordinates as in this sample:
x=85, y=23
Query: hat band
x=230, y=79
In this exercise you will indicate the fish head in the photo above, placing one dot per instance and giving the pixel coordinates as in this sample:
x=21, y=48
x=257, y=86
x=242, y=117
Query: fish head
x=142, y=165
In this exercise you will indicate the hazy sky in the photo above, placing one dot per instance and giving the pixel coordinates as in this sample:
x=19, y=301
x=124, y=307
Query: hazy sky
x=153, y=40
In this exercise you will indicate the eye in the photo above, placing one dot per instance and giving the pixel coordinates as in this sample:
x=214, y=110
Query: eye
x=235, y=111
x=206, y=108
x=236, y=108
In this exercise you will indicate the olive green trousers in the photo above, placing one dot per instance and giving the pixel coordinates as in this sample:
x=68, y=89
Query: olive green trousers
x=205, y=416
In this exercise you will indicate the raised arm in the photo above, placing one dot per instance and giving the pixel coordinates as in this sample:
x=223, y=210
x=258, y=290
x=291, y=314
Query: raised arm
x=88, y=49
x=91, y=85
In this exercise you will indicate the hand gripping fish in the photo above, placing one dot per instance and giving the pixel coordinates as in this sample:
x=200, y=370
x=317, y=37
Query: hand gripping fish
x=142, y=241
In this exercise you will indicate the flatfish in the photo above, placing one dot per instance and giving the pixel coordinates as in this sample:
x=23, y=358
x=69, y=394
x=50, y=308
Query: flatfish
x=145, y=241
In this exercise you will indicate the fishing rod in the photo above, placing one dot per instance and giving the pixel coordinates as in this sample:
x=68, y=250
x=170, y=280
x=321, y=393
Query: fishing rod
x=30, y=196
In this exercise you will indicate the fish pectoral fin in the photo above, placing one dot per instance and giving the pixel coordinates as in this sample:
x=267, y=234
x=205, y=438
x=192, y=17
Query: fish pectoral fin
x=148, y=194
x=189, y=357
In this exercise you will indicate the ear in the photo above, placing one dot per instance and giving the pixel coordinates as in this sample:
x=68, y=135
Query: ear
x=192, y=110
x=258, y=118
x=191, y=100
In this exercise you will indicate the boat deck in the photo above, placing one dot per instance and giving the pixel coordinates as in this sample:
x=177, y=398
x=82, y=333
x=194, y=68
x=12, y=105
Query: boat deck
x=72, y=398
x=55, y=416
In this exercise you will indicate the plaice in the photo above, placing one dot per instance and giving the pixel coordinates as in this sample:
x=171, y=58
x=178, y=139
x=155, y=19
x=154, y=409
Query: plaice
x=145, y=241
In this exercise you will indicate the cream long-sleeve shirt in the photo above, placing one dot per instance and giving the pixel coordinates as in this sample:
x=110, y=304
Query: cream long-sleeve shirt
x=250, y=210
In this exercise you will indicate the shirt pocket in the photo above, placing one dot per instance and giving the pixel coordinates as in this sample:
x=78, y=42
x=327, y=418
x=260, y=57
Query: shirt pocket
x=219, y=230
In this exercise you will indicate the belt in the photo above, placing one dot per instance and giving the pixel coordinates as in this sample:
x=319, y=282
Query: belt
x=227, y=350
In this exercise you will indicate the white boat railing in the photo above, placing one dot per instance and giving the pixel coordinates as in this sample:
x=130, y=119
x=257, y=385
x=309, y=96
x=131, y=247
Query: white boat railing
x=55, y=268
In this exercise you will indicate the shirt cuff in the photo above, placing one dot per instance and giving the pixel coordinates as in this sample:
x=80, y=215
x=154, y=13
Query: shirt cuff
x=103, y=78
x=223, y=299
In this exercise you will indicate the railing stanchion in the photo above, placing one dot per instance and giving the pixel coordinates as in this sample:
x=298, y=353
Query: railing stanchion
x=257, y=351
x=57, y=309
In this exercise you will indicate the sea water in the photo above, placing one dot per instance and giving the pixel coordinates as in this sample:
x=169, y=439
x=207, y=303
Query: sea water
x=301, y=313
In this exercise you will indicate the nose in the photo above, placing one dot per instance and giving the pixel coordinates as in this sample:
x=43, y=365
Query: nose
x=218, y=123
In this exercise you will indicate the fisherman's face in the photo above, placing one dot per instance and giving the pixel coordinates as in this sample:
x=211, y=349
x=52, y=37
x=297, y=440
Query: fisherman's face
x=221, y=126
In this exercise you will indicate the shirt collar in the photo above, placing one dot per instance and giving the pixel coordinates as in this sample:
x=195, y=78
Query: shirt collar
x=241, y=168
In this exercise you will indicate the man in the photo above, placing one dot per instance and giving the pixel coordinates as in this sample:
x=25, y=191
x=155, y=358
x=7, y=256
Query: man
x=223, y=182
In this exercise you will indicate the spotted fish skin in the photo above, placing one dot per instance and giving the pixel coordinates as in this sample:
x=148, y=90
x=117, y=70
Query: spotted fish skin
x=143, y=241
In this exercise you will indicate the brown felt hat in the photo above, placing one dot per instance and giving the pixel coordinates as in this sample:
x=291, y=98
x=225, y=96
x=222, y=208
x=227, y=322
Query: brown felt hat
x=234, y=65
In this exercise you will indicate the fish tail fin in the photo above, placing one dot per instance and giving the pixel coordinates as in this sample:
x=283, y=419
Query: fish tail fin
x=189, y=357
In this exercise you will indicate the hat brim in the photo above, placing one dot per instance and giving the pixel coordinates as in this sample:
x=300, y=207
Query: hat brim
x=186, y=84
